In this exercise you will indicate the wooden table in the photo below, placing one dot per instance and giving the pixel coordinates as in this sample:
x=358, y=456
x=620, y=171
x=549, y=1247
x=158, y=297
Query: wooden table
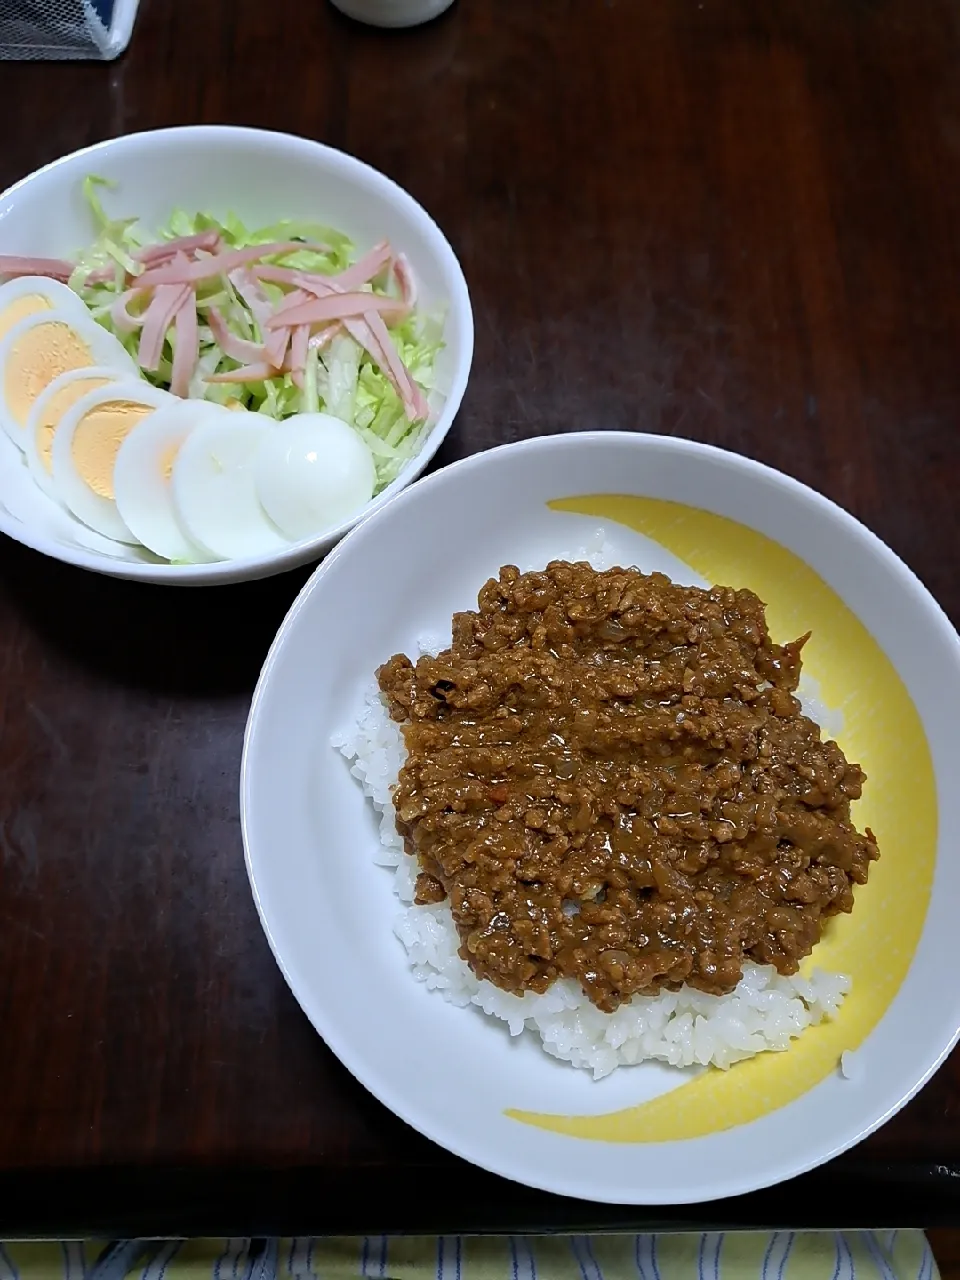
x=723, y=219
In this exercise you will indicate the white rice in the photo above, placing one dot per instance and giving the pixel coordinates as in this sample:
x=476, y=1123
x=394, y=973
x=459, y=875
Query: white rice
x=684, y=1028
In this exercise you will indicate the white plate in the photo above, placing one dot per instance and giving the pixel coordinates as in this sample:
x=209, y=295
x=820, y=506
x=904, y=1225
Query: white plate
x=261, y=177
x=884, y=655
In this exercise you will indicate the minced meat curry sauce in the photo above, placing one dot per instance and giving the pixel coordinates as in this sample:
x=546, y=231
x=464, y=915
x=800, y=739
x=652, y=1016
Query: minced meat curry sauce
x=610, y=778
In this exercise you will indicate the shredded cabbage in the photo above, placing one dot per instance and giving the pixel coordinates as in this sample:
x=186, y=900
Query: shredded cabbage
x=341, y=380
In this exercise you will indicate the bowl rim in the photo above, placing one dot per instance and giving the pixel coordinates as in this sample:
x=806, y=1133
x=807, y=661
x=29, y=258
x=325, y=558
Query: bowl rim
x=355, y=1064
x=225, y=572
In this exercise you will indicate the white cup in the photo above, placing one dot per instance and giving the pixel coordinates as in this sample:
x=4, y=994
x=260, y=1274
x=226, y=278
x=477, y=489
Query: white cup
x=392, y=13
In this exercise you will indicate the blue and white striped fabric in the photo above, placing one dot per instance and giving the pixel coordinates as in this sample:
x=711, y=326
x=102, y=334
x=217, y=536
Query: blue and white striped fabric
x=781, y=1255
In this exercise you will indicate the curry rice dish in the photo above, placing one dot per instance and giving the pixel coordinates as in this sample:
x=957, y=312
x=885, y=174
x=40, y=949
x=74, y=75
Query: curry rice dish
x=609, y=782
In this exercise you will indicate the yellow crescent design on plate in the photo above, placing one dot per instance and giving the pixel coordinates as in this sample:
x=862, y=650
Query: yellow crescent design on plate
x=882, y=731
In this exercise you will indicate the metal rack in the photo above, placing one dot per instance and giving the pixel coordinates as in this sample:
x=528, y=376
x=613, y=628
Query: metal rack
x=60, y=30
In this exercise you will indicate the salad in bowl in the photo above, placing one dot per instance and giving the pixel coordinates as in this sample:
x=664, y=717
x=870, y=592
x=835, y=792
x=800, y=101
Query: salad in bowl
x=222, y=386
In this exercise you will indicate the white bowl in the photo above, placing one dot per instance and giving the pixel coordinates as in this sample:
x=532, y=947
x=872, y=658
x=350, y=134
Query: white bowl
x=262, y=177
x=885, y=658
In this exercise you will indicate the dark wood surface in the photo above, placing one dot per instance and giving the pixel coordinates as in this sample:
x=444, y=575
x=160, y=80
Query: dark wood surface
x=733, y=220
x=946, y=1250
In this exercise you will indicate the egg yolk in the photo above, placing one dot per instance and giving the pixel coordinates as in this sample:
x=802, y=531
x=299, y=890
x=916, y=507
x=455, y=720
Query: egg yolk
x=167, y=460
x=40, y=355
x=54, y=409
x=29, y=305
x=97, y=440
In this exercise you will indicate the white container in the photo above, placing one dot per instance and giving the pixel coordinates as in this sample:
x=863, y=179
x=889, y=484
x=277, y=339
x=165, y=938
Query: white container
x=209, y=167
x=392, y=13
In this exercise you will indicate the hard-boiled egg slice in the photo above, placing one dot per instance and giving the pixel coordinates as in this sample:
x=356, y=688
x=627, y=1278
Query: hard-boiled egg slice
x=313, y=472
x=41, y=348
x=214, y=489
x=142, y=479
x=48, y=408
x=31, y=295
x=85, y=451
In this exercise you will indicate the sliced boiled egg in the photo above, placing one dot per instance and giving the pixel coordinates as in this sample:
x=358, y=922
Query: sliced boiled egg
x=85, y=449
x=30, y=295
x=48, y=408
x=313, y=471
x=39, y=349
x=142, y=479
x=214, y=487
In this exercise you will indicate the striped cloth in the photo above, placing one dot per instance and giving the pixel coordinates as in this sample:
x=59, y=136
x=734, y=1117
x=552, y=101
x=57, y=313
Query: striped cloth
x=781, y=1255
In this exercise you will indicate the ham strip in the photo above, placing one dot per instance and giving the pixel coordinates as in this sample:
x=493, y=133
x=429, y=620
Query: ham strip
x=362, y=272
x=120, y=313
x=294, y=364
x=387, y=357
x=366, y=269
x=336, y=306
x=403, y=274
x=105, y=275
x=236, y=348
x=368, y=329
x=284, y=275
x=186, y=350
x=299, y=344
x=218, y=264
x=157, y=319
x=295, y=298
x=249, y=290
x=276, y=347
x=246, y=373
x=13, y=265
x=323, y=338
x=155, y=255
